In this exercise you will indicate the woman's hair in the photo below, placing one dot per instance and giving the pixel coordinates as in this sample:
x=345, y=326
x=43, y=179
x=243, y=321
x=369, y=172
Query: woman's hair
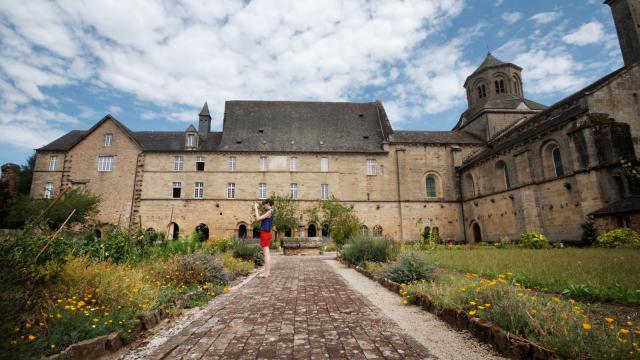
x=268, y=201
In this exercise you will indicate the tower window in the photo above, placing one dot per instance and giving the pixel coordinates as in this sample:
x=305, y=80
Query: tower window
x=499, y=86
x=482, y=91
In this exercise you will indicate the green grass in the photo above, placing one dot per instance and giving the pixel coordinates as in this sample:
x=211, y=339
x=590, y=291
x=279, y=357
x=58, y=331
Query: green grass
x=608, y=275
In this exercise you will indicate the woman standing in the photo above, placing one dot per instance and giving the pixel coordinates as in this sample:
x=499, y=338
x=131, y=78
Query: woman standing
x=266, y=221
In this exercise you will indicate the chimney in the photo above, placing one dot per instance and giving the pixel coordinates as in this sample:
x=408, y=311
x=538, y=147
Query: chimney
x=204, y=126
x=626, y=15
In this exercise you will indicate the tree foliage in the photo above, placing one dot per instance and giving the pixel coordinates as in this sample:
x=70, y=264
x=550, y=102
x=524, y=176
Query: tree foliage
x=285, y=210
x=341, y=220
x=26, y=209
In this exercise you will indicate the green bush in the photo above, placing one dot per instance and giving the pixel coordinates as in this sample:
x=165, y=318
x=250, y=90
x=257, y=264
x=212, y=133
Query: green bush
x=364, y=248
x=237, y=267
x=248, y=251
x=534, y=240
x=329, y=246
x=619, y=237
x=409, y=267
x=217, y=246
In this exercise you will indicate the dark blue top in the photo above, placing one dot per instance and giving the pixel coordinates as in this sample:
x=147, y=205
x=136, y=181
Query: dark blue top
x=265, y=224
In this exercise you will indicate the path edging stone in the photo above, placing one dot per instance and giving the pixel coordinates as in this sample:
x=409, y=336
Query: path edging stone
x=485, y=331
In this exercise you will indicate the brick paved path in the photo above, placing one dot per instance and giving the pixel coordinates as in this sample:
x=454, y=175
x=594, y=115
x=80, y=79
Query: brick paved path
x=305, y=310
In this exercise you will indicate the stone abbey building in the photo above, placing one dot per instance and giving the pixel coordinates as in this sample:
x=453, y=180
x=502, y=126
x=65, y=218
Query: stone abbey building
x=510, y=165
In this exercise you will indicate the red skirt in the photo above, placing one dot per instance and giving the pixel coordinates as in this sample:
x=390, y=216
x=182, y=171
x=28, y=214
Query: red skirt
x=265, y=238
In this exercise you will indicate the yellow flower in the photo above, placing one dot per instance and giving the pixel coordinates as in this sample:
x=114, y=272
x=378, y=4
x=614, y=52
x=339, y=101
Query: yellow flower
x=31, y=337
x=17, y=329
x=53, y=346
x=463, y=289
x=624, y=331
x=480, y=307
x=28, y=325
x=586, y=326
x=472, y=302
x=81, y=303
x=609, y=320
x=405, y=302
x=520, y=294
x=622, y=341
x=556, y=299
x=629, y=323
x=110, y=321
x=95, y=320
x=472, y=312
x=510, y=273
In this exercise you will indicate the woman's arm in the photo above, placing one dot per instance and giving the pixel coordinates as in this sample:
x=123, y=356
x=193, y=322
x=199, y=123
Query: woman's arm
x=263, y=216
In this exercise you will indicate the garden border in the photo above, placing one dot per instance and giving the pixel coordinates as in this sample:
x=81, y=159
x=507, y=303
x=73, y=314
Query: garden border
x=504, y=342
x=103, y=345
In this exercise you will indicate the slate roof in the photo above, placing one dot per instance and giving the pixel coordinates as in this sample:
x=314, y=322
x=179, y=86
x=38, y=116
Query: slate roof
x=434, y=137
x=64, y=142
x=489, y=62
x=300, y=126
x=625, y=205
x=174, y=141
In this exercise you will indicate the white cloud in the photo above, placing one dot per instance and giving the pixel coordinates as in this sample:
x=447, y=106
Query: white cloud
x=589, y=33
x=546, y=17
x=114, y=109
x=177, y=54
x=499, y=2
x=511, y=17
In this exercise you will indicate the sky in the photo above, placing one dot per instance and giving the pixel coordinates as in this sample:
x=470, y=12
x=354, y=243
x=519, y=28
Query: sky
x=152, y=64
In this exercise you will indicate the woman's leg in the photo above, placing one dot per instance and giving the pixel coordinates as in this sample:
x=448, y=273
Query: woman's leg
x=267, y=261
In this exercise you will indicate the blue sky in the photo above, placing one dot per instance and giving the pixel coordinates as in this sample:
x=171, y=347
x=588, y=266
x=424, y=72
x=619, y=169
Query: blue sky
x=152, y=64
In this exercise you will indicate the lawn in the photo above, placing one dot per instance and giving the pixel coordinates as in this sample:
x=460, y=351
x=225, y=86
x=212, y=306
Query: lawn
x=593, y=274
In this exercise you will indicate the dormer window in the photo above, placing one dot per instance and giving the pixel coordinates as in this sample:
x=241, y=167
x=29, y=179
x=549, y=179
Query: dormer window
x=482, y=91
x=191, y=140
x=499, y=86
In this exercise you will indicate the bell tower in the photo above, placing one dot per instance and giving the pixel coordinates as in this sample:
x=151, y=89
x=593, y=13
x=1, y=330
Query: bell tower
x=626, y=16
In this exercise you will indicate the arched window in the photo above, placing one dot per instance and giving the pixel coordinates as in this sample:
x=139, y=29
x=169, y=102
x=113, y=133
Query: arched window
x=174, y=231
x=469, y=188
x=287, y=231
x=364, y=230
x=311, y=230
x=325, y=230
x=98, y=233
x=431, y=186
x=499, y=86
x=377, y=230
x=475, y=233
x=242, y=231
x=502, y=176
x=551, y=160
x=203, y=231
x=557, y=162
x=482, y=91
x=517, y=87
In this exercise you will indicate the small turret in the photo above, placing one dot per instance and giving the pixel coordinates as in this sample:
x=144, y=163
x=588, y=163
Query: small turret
x=626, y=15
x=204, y=126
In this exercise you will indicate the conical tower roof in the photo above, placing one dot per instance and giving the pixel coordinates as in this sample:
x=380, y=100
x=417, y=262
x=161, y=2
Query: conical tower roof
x=205, y=110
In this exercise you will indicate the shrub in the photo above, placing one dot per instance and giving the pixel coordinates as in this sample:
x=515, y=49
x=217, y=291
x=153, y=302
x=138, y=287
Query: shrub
x=409, y=267
x=248, y=251
x=217, y=246
x=237, y=267
x=589, y=233
x=345, y=225
x=619, y=237
x=364, y=248
x=534, y=240
x=196, y=268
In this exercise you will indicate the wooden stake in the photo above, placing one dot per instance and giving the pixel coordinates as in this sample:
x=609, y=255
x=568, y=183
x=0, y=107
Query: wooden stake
x=54, y=235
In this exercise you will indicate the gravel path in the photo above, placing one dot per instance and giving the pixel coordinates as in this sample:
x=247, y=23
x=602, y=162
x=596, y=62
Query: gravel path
x=434, y=334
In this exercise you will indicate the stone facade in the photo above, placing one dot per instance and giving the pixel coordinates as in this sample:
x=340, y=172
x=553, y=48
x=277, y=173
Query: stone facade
x=510, y=165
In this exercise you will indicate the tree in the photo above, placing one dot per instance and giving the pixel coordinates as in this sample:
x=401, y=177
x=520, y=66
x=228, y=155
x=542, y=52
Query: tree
x=25, y=176
x=26, y=209
x=5, y=198
x=340, y=219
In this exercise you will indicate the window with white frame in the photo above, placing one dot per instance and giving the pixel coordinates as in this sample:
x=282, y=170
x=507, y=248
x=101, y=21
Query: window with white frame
x=48, y=190
x=198, y=190
x=263, y=163
x=293, y=164
x=324, y=164
x=105, y=163
x=191, y=140
x=231, y=190
x=262, y=191
x=293, y=191
x=177, y=189
x=178, y=163
x=53, y=162
x=371, y=167
x=200, y=163
x=232, y=163
x=324, y=191
x=108, y=140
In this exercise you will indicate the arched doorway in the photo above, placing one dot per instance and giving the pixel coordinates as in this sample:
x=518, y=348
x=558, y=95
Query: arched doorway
x=475, y=233
x=203, y=230
x=325, y=230
x=174, y=231
x=98, y=233
x=242, y=231
x=311, y=230
x=256, y=232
